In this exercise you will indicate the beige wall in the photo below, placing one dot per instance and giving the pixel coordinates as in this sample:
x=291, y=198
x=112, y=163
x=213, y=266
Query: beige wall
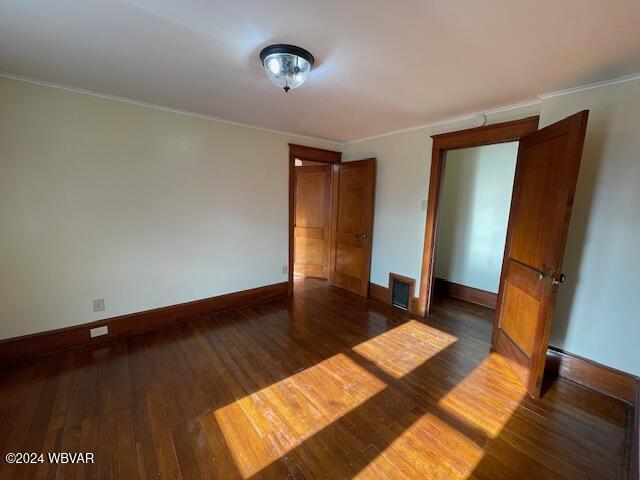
x=146, y=208
x=474, y=214
x=598, y=311
x=403, y=164
x=142, y=207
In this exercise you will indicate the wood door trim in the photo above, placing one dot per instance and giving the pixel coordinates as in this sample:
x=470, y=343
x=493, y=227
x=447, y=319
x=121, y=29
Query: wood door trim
x=313, y=154
x=486, y=135
x=473, y=137
x=13, y=350
x=303, y=153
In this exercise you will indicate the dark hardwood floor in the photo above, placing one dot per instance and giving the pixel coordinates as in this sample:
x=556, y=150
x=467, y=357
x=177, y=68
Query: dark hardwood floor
x=324, y=385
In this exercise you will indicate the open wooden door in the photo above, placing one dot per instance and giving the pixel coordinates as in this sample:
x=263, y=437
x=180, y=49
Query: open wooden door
x=312, y=229
x=352, y=225
x=543, y=191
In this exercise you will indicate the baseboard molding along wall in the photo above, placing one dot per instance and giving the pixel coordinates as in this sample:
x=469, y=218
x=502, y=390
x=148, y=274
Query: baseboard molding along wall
x=16, y=349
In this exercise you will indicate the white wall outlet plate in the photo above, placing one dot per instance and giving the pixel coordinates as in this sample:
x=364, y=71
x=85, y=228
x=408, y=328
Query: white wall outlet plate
x=98, y=305
x=423, y=205
x=285, y=269
x=99, y=331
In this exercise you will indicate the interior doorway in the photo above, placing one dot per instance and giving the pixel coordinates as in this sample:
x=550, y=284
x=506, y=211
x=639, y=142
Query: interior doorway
x=473, y=219
x=330, y=218
x=312, y=230
x=442, y=145
x=310, y=212
x=544, y=186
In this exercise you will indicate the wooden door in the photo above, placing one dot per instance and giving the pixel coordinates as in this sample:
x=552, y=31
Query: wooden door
x=312, y=229
x=544, y=186
x=352, y=225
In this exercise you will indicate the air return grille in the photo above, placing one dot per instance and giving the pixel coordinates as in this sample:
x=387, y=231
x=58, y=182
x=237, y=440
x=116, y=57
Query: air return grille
x=400, y=294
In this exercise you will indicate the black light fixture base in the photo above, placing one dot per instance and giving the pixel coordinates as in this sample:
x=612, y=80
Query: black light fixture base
x=285, y=48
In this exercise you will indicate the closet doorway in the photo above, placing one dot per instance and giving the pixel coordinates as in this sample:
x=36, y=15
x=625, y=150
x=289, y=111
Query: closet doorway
x=330, y=218
x=312, y=230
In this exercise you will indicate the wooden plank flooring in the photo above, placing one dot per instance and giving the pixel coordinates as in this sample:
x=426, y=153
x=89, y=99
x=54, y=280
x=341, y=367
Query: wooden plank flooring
x=326, y=385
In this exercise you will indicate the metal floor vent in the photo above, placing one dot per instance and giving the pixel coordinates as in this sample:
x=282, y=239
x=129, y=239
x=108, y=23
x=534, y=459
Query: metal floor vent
x=400, y=294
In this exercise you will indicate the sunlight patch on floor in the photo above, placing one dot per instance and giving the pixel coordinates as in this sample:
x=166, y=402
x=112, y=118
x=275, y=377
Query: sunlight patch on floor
x=429, y=448
x=450, y=441
x=404, y=348
x=486, y=398
x=262, y=427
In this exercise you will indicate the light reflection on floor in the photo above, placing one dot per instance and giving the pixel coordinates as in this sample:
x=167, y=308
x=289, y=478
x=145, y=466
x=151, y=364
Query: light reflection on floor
x=262, y=427
x=404, y=348
x=462, y=409
x=473, y=400
x=409, y=457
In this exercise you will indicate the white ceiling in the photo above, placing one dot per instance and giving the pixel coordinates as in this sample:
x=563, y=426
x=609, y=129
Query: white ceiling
x=381, y=65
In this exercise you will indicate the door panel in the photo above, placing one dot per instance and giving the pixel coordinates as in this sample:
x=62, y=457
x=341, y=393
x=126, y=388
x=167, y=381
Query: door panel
x=349, y=260
x=518, y=303
x=352, y=201
x=544, y=187
x=533, y=232
x=352, y=225
x=310, y=251
x=312, y=232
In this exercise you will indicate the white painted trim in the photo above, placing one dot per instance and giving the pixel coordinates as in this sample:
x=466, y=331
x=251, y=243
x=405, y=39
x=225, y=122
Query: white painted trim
x=461, y=118
x=540, y=98
x=591, y=86
x=82, y=91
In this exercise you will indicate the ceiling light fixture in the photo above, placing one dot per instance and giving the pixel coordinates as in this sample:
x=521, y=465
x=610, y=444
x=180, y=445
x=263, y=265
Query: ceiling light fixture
x=287, y=66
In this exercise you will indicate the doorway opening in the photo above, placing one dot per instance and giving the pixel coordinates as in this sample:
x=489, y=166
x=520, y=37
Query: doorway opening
x=310, y=212
x=546, y=175
x=473, y=219
x=442, y=144
x=330, y=219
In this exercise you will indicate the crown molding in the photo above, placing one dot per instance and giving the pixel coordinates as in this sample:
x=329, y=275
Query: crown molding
x=60, y=86
x=460, y=118
x=591, y=86
x=341, y=144
x=537, y=101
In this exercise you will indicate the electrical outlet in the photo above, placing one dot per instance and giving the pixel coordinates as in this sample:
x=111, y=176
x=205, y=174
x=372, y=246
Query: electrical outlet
x=423, y=205
x=98, y=305
x=98, y=331
x=285, y=269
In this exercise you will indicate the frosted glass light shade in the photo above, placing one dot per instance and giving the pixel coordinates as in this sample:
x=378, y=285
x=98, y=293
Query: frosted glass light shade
x=287, y=66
